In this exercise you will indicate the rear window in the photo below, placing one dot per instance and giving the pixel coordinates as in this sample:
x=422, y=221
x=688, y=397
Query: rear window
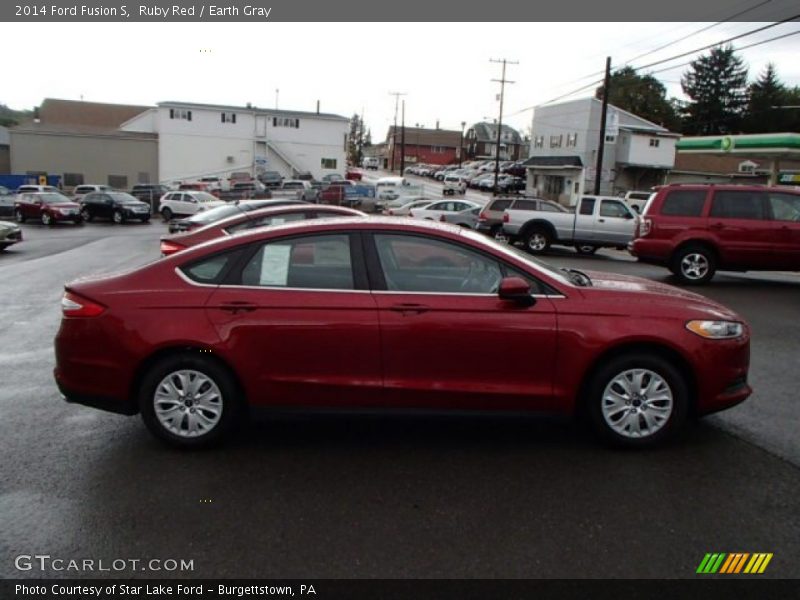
x=525, y=205
x=684, y=203
x=500, y=204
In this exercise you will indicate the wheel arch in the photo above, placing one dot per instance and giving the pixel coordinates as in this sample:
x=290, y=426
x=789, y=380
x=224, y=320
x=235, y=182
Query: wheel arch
x=542, y=224
x=673, y=356
x=703, y=242
x=174, y=350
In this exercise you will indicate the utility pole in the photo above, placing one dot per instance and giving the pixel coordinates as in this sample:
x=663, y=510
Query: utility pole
x=394, y=129
x=598, y=175
x=403, y=141
x=502, y=81
x=277, y=93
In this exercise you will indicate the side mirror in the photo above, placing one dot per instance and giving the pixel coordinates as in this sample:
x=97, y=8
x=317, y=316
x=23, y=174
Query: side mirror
x=517, y=290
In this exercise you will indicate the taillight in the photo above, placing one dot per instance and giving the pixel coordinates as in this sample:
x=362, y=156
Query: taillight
x=168, y=247
x=73, y=305
x=646, y=226
x=506, y=218
x=483, y=217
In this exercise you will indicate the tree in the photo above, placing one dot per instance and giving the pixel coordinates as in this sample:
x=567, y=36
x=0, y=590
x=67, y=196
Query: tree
x=10, y=117
x=643, y=95
x=717, y=86
x=355, y=140
x=766, y=93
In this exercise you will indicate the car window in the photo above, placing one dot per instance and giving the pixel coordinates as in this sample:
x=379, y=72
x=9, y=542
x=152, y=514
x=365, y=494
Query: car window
x=314, y=262
x=418, y=264
x=500, y=204
x=267, y=220
x=525, y=205
x=612, y=208
x=684, y=203
x=785, y=207
x=209, y=270
x=550, y=207
x=739, y=205
x=587, y=206
x=438, y=206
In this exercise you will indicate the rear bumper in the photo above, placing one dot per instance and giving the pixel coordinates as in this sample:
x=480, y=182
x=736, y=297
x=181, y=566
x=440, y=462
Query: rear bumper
x=655, y=252
x=101, y=402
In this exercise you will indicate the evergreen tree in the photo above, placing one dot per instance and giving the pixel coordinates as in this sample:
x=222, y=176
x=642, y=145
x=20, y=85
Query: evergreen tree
x=643, y=95
x=717, y=86
x=766, y=93
x=355, y=140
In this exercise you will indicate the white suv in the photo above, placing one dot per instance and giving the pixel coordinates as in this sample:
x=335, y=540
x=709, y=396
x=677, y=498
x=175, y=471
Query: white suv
x=454, y=184
x=81, y=190
x=186, y=202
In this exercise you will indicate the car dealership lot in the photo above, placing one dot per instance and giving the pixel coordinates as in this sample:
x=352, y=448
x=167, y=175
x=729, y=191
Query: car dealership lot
x=387, y=497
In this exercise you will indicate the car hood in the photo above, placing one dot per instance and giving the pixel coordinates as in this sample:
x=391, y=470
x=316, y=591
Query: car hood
x=134, y=204
x=64, y=205
x=8, y=225
x=653, y=291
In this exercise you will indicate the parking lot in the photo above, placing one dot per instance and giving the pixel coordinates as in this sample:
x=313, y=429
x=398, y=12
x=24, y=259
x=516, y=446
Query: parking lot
x=388, y=497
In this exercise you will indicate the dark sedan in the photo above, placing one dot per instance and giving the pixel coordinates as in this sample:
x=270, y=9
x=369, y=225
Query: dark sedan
x=205, y=217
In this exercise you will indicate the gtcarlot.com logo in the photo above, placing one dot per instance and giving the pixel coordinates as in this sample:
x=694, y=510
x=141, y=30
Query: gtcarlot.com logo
x=734, y=563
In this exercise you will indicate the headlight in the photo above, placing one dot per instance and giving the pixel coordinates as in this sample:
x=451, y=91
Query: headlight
x=716, y=330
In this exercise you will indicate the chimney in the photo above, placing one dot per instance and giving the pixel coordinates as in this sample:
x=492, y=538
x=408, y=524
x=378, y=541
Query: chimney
x=437, y=123
x=317, y=106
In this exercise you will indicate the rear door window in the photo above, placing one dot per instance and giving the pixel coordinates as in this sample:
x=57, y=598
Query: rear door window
x=587, y=206
x=739, y=205
x=684, y=203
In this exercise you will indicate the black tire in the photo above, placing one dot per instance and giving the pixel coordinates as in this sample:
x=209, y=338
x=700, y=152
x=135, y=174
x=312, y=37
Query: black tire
x=614, y=368
x=537, y=240
x=694, y=264
x=47, y=219
x=145, y=219
x=118, y=217
x=586, y=249
x=166, y=213
x=231, y=401
x=87, y=215
x=20, y=218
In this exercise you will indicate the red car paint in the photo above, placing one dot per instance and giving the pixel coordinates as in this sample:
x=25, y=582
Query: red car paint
x=374, y=348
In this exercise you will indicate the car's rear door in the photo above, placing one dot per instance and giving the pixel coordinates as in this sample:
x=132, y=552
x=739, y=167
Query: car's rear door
x=785, y=214
x=299, y=323
x=447, y=339
x=739, y=219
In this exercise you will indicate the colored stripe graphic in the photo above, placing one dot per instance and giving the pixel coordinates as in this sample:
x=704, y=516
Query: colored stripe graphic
x=734, y=563
x=758, y=563
x=711, y=563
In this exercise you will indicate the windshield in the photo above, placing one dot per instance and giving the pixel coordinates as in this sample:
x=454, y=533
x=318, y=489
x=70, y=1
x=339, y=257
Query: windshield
x=123, y=197
x=49, y=198
x=215, y=214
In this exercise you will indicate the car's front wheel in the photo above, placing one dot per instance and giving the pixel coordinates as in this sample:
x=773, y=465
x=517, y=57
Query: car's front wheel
x=189, y=401
x=637, y=400
x=87, y=215
x=19, y=216
x=166, y=213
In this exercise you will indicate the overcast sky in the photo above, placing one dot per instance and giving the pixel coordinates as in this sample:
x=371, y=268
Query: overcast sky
x=443, y=68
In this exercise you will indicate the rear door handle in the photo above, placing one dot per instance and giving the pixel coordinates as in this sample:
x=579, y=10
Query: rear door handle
x=238, y=306
x=410, y=308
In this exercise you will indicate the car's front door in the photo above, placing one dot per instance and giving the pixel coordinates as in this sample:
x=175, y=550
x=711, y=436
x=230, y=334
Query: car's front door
x=300, y=324
x=614, y=223
x=447, y=339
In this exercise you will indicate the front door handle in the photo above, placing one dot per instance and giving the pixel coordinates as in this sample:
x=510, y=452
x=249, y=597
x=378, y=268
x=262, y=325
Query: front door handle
x=410, y=308
x=601, y=220
x=238, y=306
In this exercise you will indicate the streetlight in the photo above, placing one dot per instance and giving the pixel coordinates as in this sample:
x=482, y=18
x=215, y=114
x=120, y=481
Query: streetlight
x=461, y=144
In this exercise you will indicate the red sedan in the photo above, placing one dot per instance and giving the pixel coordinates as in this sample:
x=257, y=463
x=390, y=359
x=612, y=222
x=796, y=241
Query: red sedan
x=393, y=314
x=249, y=220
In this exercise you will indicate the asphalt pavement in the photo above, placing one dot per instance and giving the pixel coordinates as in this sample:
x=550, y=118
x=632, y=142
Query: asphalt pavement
x=361, y=497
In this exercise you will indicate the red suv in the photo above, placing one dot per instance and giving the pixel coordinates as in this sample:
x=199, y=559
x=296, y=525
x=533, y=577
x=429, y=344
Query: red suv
x=48, y=207
x=696, y=229
x=391, y=313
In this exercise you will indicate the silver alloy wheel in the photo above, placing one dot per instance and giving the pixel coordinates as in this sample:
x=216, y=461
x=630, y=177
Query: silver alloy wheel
x=188, y=403
x=637, y=403
x=19, y=216
x=45, y=218
x=694, y=266
x=537, y=241
x=117, y=217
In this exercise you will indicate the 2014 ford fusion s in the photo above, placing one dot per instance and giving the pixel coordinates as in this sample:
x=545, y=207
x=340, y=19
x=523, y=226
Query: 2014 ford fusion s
x=392, y=314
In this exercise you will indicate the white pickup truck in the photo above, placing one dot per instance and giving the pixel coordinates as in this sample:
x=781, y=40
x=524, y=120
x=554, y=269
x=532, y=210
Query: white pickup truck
x=597, y=222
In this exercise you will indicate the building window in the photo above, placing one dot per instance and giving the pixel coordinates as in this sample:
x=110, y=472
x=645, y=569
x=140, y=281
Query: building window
x=437, y=149
x=73, y=179
x=228, y=117
x=572, y=140
x=538, y=141
x=328, y=163
x=654, y=142
x=180, y=113
x=611, y=139
x=286, y=122
x=119, y=182
x=555, y=141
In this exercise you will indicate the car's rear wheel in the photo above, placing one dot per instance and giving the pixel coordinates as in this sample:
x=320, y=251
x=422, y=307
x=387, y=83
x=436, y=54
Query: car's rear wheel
x=189, y=401
x=537, y=241
x=694, y=264
x=118, y=217
x=166, y=213
x=637, y=400
x=586, y=249
x=19, y=216
x=47, y=219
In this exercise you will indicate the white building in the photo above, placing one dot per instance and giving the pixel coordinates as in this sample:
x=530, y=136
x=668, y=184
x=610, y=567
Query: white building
x=563, y=151
x=203, y=139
